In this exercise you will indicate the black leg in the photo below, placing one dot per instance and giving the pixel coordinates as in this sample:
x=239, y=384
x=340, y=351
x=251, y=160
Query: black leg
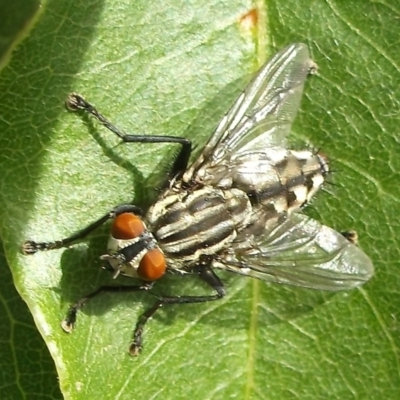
x=205, y=273
x=137, y=340
x=70, y=319
x=31, y=247
x=75, y=102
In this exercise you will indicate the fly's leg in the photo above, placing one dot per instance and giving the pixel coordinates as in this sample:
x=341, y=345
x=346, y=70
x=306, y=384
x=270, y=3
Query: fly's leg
x=76, y=102
x=31, y=247
x=69, y=322
x=136, y=345
x=351, y=236
x=207, y=275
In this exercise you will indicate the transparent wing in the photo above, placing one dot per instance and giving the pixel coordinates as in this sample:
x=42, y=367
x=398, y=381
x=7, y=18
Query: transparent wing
x=261, y=117
x=300, y=252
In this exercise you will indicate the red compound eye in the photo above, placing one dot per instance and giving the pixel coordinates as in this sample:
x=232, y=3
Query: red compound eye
x=127, y=226
x=152, y=266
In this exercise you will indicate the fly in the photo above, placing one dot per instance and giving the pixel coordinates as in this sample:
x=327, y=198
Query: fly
x=235, y=208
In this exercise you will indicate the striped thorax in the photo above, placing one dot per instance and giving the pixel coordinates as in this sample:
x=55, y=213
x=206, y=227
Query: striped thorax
x=189, y=224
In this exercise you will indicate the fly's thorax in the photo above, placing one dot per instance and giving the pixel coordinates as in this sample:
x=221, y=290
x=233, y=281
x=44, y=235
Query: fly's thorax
x=203, y=221
x=133, y=251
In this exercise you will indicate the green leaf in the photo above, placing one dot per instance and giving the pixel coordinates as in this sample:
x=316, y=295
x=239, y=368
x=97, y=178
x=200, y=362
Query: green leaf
x=174, y=68
x=17, y=18
x=27, y=368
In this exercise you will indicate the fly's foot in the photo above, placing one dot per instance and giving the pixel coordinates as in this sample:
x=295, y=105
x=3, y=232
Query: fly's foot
x=75, y=102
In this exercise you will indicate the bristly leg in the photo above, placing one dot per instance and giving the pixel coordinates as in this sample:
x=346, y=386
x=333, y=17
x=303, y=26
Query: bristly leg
x=69, y=322
x=76, y=102
x=206, y=274
x=32, y=247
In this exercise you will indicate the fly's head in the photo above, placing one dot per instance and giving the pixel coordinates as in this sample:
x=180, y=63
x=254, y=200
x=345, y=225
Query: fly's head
x=133, y=250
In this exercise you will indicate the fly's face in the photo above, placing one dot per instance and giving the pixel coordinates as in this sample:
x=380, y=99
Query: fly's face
x=234, y=208
x=133, y=251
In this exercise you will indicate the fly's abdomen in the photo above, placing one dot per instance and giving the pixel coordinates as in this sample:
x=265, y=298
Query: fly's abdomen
x=282, y=180
x=187, y=225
